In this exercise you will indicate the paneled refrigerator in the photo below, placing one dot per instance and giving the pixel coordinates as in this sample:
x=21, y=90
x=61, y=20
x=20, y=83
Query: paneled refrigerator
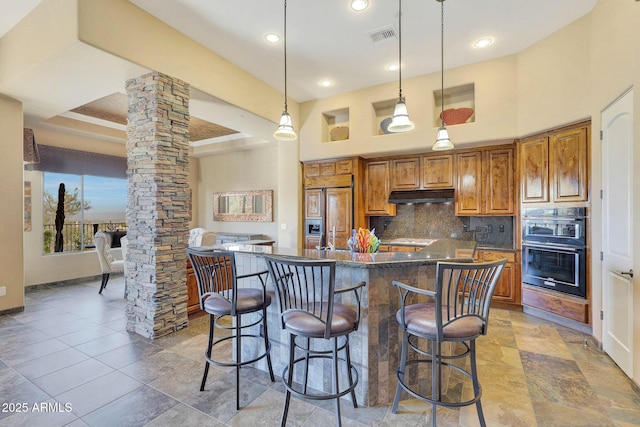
x=328, y=217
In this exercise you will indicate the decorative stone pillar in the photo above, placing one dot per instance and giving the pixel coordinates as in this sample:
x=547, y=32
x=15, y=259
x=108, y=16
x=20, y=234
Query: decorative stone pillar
x=159, y=204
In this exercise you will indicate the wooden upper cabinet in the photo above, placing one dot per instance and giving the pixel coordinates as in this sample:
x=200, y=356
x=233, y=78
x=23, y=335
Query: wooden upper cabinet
x=311, y=169
x=555, y=168
x=377, y=189
x=313, y=203
x=328, y=169
x=568, y=165
x=534, y=170
x=405, y=174
x=437, y=172
x=485, y=182
x=498, y=166
x=468, y=193
x=344, y=167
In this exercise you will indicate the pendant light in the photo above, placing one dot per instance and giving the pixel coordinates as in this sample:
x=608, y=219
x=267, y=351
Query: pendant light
x=442, y=139
x=285, y=131
x=400, y=121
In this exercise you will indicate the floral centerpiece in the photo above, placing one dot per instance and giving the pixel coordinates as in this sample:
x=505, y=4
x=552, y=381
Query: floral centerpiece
x=363, y=241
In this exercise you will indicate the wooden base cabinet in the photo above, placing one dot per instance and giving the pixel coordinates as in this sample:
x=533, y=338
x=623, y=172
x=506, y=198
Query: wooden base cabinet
x=193, y=300
x=508, y=289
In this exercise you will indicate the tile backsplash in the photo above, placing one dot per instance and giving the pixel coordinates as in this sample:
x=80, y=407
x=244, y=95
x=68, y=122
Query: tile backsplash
x=438, y=220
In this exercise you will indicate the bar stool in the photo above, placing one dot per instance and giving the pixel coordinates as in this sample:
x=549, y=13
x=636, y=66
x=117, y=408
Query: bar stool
x=220, y=296
x=305, y=290
x=458, y=315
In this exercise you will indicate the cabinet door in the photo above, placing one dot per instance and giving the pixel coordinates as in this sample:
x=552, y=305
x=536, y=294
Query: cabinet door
x=377, y=188
x=344, y=167
x=313, y=203
x=327, y=169
x=405, y=174
x=437, y=172
x=469, y=189
x=505, y=288
x=193, y=299
x=499, y=191
x=311, y=169
x=535, y=170
x=311, y=242
x=568, y=165
x=508, y=287
x=339, y=215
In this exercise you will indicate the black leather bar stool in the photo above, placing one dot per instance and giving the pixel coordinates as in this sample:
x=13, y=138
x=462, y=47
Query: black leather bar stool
x=457, y=312
x=220, y=296
x=305, y=291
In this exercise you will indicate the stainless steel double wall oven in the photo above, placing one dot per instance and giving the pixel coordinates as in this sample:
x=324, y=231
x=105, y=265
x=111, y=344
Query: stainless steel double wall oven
x=554, y=246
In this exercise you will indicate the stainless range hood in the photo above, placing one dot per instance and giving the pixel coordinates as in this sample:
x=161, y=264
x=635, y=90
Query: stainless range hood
x=421, y=196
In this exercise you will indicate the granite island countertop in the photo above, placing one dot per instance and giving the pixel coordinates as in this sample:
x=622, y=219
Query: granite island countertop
x=439, y=250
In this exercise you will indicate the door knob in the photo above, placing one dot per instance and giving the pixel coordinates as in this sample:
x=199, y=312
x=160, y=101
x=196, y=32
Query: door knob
x=627, y=273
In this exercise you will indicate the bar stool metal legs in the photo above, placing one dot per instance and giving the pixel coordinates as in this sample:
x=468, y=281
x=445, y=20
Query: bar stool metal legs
x=310, y=354
x=455, y=314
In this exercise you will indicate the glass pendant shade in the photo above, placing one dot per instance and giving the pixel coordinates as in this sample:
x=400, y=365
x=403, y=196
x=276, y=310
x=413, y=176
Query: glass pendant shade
x=442, y=140
x=285, y=131
x=400, y=121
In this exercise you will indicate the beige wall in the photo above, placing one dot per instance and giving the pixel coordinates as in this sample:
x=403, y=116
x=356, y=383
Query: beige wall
x=239, y=171
x=496, y=106
x=554, y=79
x=615, y=67
x=11, y=194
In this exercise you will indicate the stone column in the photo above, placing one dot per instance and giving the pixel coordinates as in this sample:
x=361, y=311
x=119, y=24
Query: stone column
x=159, y=204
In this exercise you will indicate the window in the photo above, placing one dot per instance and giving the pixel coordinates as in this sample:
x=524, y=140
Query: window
x=91, y=204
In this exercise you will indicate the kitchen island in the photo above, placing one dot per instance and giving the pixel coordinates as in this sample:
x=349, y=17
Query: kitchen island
x=375, y=347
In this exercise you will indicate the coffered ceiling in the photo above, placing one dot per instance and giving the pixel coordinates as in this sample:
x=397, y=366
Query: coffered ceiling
x=325, y=40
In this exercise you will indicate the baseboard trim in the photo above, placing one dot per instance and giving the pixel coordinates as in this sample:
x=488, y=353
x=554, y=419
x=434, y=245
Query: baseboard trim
x=67, y=282
x=12, y=310
x=569, y=323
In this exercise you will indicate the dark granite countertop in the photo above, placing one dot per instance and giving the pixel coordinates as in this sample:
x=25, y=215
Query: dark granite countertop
x=440, y=250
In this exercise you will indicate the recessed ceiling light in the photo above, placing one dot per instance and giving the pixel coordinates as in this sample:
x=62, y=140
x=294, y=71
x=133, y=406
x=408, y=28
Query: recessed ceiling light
x=359, y=5
x=483, y=42
x=272, y=38
x=392, y=67
x=326, y=83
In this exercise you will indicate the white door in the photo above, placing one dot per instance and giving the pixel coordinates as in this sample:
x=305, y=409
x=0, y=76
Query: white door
x=617, y=231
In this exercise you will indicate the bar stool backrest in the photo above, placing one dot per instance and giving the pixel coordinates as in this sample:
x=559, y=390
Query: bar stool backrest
x=304, y=286
x=215, y=273
x=465, y=290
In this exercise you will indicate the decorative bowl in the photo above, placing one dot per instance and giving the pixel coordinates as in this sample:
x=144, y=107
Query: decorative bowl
x=384, y=125
x=456, y=116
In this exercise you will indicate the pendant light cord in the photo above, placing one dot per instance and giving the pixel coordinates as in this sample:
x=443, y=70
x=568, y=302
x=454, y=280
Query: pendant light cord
x=442, y=59
x=400, y=48
x=285, y=56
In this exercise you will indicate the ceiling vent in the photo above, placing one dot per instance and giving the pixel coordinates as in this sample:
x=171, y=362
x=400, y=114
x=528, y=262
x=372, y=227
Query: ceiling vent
x=383, y=34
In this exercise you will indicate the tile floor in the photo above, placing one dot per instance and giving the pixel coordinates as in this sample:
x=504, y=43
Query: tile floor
x=67, y=360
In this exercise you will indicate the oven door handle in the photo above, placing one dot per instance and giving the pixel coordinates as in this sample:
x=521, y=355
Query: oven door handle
x=553, y=246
